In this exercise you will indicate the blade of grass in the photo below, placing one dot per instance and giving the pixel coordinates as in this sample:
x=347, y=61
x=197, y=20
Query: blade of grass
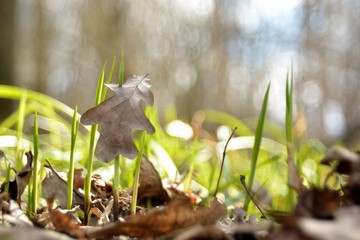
x=20, y=126
x=7, y=176
x=137, y=173
x=36, y=177
x=11, y=92
x=189, y=176
x=74, y=131
x=90, y=160
x=116, y=180
x=257, y=143
x=294, y=180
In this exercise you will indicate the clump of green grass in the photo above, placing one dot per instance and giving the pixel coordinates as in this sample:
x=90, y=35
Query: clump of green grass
x=195, y=160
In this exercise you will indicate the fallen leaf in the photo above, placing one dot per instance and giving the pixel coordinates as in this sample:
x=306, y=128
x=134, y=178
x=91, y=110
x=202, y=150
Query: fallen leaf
x=347, y=161
x=318, y=203
x=344, y=226
x=54, y=186
x=22, y=178
x=177, y=215
x=150, y=183
x=64, y=223
x=118, y=116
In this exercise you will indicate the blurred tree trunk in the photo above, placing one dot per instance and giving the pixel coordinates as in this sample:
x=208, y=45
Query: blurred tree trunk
x=7, y=12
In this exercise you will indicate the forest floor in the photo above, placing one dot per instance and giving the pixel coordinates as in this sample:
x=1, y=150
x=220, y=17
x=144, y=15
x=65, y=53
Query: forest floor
x=320, y=213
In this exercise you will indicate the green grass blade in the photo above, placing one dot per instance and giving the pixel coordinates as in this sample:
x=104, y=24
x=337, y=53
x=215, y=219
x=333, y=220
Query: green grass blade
x=90, y=160
x=20, y=126
x=257, y=143
x=36, y=177
x=118, y=159
x=74, y=131
x=289, y=108
x=294, y=179
x=11, y=92
x=137, y=173
x=121, y=70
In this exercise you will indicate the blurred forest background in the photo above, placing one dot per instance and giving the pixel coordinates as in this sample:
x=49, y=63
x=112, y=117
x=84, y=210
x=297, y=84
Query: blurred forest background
x=201, y=54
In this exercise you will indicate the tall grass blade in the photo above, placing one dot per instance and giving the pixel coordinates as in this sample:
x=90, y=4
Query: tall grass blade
x=137, y=173
x=116, y=180
x=257, y=143
x=294, y=179
x=90, y=160
x=74, y=131
x=36, y=177
x=20, y=126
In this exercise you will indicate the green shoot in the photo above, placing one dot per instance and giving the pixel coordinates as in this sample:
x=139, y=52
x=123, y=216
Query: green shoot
x=257, y=143
x=189, y=176
x=7, y=176
x=100, y=96
x=137, y=172
x=36, y=177
x=289, y=108
x=74, y=130
x=90, y=160
x=118, y=158
x=294, y=180
x=20, y=126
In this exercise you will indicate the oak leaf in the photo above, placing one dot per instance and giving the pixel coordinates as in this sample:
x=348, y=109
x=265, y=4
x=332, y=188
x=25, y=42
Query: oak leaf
x=119, y=115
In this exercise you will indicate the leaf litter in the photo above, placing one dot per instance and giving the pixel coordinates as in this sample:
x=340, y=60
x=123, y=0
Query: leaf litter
x=320, y=212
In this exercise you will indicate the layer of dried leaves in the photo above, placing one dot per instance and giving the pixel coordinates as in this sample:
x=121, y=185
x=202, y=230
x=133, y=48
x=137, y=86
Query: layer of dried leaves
x=321, y=213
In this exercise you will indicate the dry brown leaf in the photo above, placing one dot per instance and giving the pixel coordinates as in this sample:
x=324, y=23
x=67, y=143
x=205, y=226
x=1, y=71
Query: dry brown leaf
x=318, y=203
x=54, y=186
x=344, y=226
x=347, y=161
x=118, y=116
x=177, y=215
x=64, y=223
x=22, y=178
x=150, y=183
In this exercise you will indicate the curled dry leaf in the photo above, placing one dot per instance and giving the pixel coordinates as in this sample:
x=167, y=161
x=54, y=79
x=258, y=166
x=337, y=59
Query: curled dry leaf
x=347, y=161
x=150, y=183
x=177, y=215
x=54, y=186
x=344, y=226
x=318, y=203
x=118, y=116
x=22, y=178
x=64, y=223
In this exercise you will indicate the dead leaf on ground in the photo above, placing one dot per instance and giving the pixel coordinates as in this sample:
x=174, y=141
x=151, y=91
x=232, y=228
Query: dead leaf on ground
x=54, y=186
x=66, y=224
x=177, y=215
x=22, y=178
x=347, y=161
x=318, y=203
x=150, y=183
x=344, y=226
x=118, y=116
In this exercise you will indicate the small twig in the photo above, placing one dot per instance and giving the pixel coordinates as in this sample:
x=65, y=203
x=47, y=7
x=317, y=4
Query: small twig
x=242, y=180
x=223, y=160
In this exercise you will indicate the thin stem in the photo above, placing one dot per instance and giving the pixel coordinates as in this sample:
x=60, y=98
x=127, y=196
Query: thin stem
x=74, y=130
x=223, y=160
x=137, y=174
x=242, y=180
x=116, y=182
